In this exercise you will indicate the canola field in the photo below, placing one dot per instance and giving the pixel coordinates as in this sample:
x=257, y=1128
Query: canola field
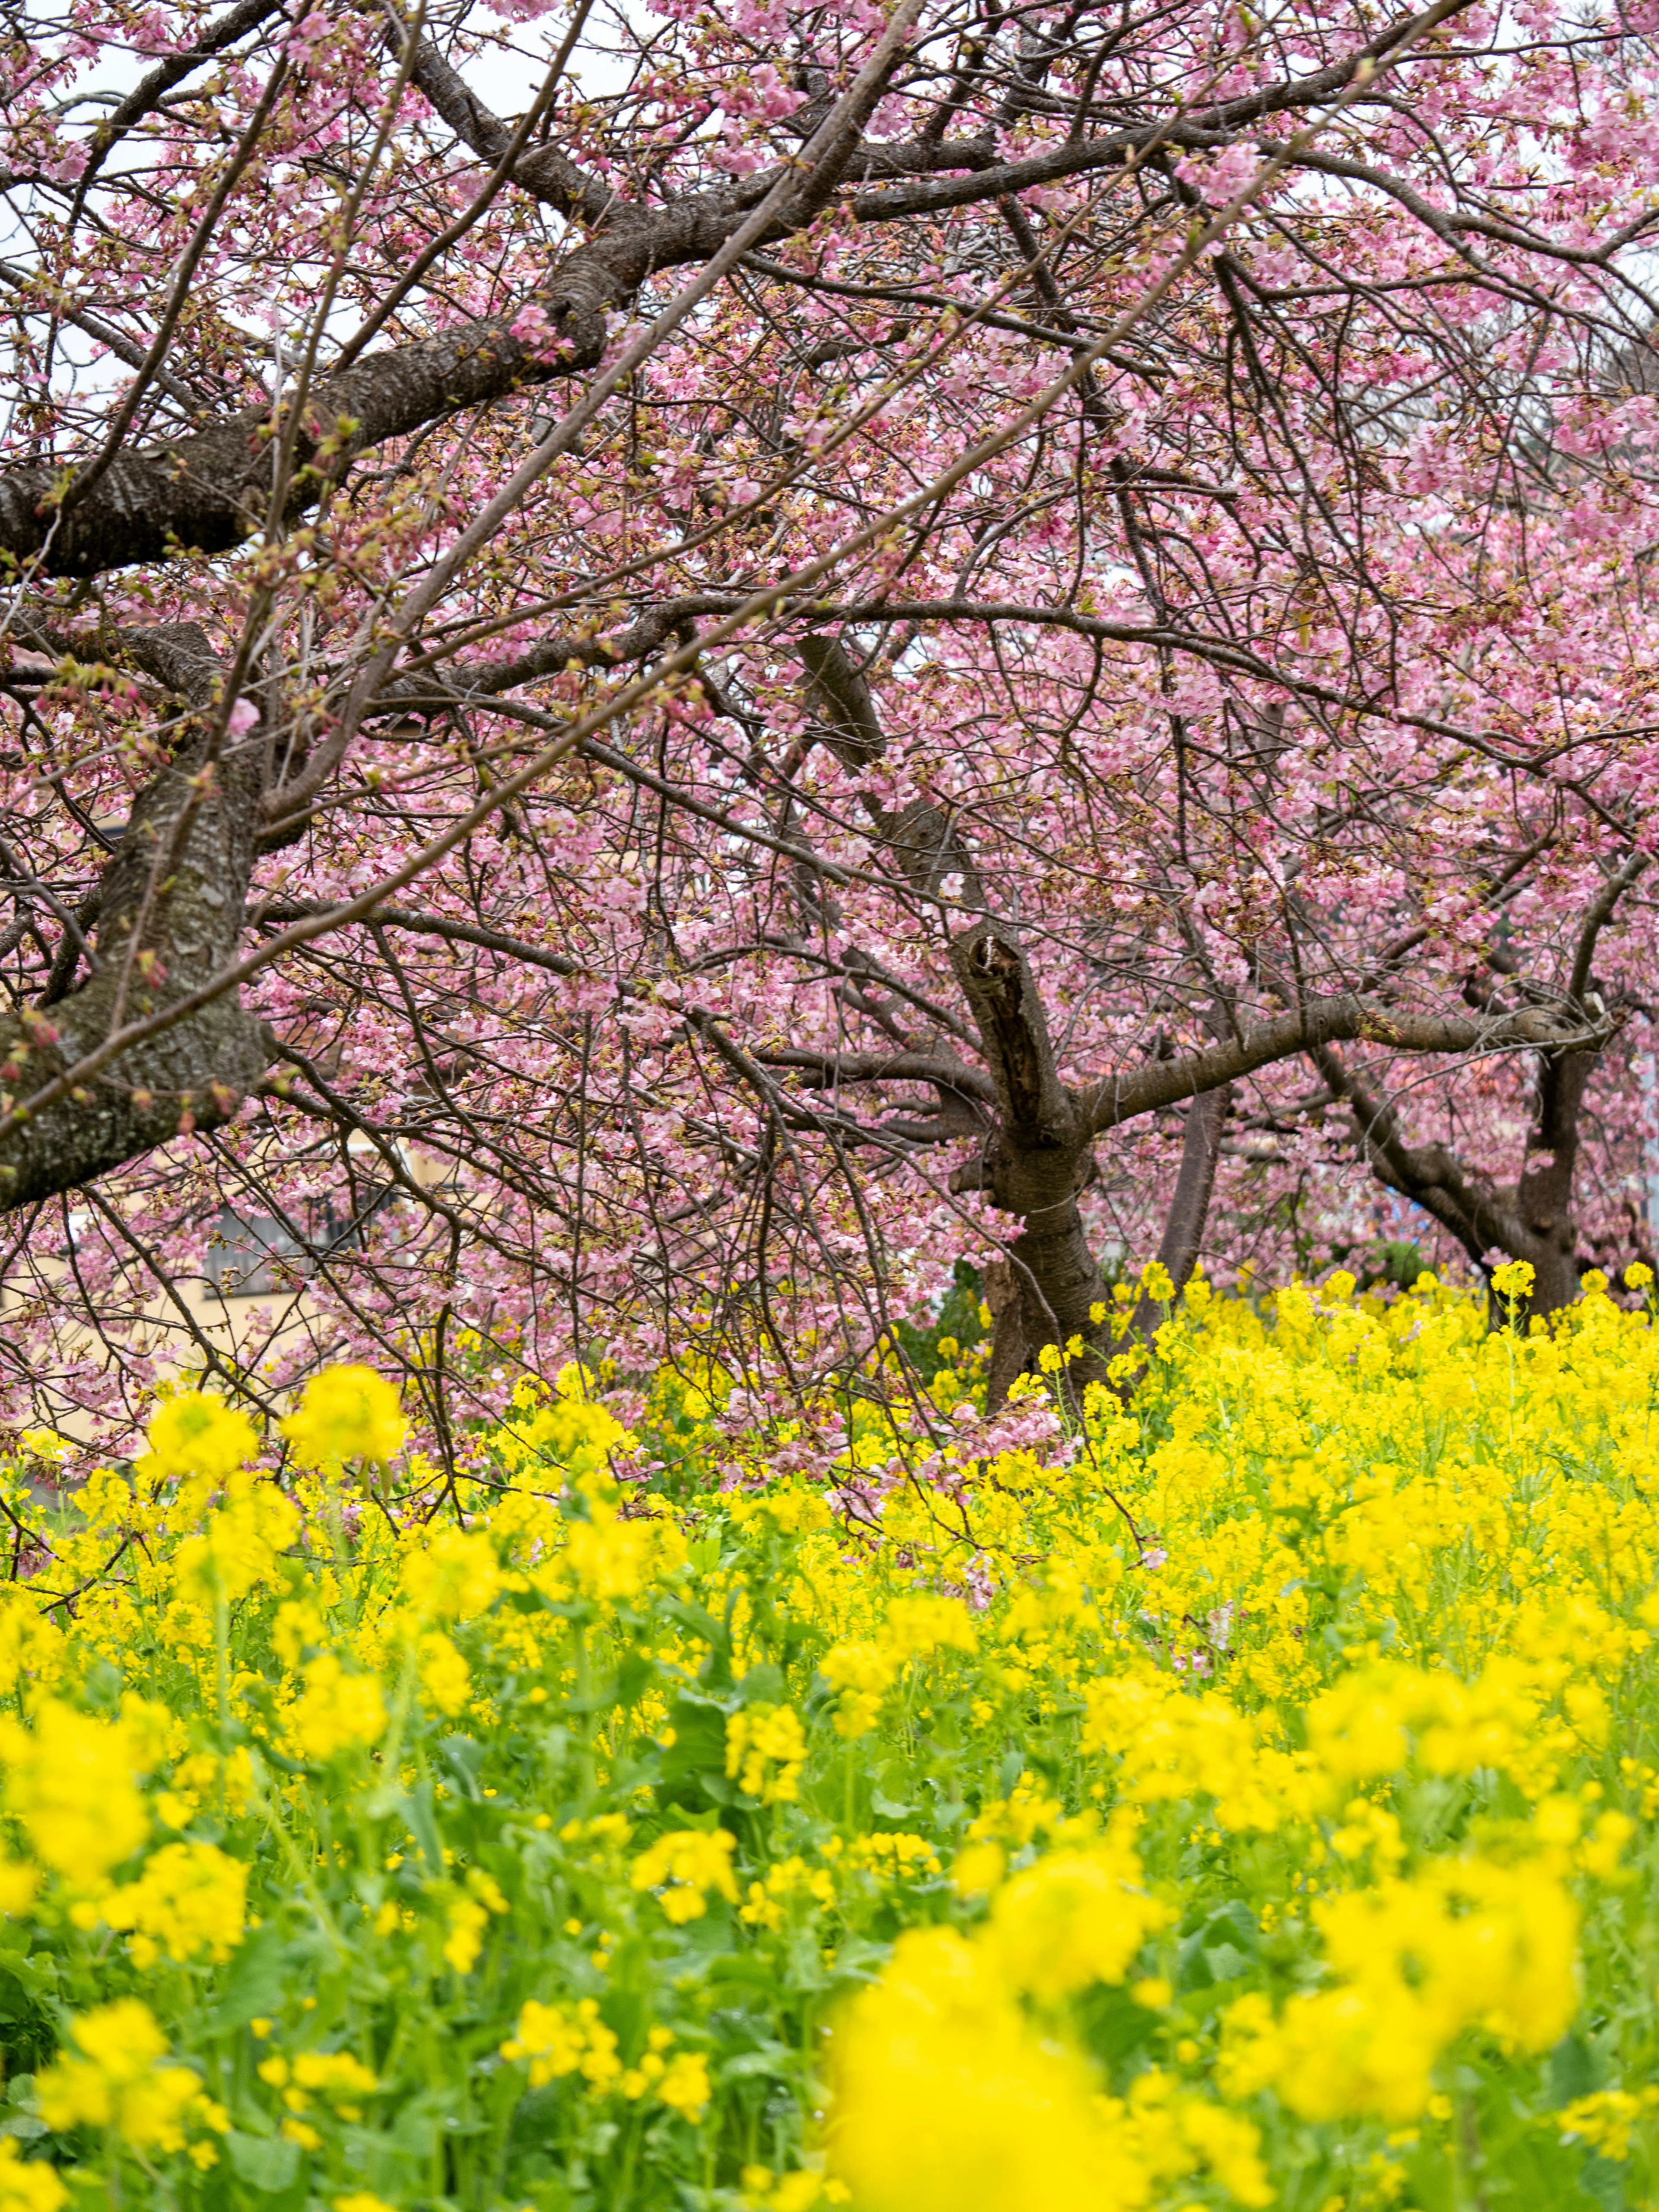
x=1247, y=1799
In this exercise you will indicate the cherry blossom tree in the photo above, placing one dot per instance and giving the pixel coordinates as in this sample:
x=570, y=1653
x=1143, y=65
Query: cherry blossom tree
x=666, y=668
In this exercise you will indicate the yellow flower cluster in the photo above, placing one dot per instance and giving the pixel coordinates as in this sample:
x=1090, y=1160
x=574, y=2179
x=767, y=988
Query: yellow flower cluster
x=116, y=2079
x=949, y=2098
x=190, y=1900
x=791, y=1881
x=71, y=1779
x=29, y=2185
x=1414, y=1964
x=559, y=2040
x=336, y=1711
x=765, y=1751
x=1607, y=2120
x=683, y=1866
x=347, y=1413
x=895, y=1853
x=864, y=1670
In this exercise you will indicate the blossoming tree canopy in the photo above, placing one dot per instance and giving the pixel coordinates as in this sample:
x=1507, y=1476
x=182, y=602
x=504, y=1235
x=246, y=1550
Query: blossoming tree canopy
x=662, y=667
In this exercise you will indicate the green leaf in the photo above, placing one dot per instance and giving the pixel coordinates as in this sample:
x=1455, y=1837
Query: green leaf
x=254, y=1984
x=464, y=1759
x=423, y=1825
x=271, y=2166
x=1573, y=2071
x=697, y=1754
x=763, y=1685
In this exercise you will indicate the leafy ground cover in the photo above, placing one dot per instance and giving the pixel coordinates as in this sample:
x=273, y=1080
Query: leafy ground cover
x=1247, y=1796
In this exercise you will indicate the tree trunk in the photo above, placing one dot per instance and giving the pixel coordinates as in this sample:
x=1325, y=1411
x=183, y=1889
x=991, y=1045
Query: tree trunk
x=170, y=914
x=1544, y=1195
x=1040, y=1157
x=1034, y=1168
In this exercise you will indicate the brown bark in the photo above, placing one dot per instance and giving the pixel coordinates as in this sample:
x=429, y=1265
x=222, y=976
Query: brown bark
x=1345, y=1017
x=1040, y=1158
x=170, y=914
x=921, y=836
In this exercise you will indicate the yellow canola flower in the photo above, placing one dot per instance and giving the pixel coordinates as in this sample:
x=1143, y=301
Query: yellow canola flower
x=1073, y=1918
x=445, y=1675
x=946, y=2096
x=765, y=1751
x=241, y=1545
x=1155, y=1280
x=18, y=1885
x=569, y=1430
x=117, y=2080
x=346, y=1413
x=190, y=1898
x=683, y=2085
x=28, y=2185
x=606, y=1558
x=684, y=1866
x=1173, y=1744
x=198, y=1434
x=945, y=2099
x=1416, y=1961
x=337, y=1711
x=1365, y=1724
x=469, y=1916
x=452, y=1576
x=559, y=2040
x=790, y=1881
x=896, y=1855
x=863, y=1669
x=918, y=1627
x=71, y=1779
x=31, y=1645
x=1605, y=2120
x=764, y=2192
x=334, y=2073
x=1476, y=1941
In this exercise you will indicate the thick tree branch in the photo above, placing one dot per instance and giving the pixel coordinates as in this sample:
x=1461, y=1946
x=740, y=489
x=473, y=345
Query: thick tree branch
x=824, y=1070
x=547, y=173
x=1535, y=1219
x=1343, y=1020
x=1475, y=1217
x=1189, y=1207
x=451, y=931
